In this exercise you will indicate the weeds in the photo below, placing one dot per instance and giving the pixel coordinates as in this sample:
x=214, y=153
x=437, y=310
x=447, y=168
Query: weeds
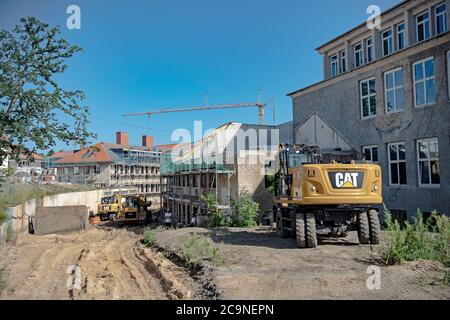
x=3, y=216
x=244, y=211
x=428, y=239
x=149, y=237
x=198, y=248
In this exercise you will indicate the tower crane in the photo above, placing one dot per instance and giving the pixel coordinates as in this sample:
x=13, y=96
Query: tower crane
x=260, y=105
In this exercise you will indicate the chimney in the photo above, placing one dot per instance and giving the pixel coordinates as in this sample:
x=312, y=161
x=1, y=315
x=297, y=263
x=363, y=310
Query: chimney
x=147, y=141
x=122, y=138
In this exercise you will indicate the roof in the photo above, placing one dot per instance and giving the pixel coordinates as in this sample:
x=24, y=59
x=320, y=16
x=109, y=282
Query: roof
x=96, y=153
x=362, y=25
x=35, y=156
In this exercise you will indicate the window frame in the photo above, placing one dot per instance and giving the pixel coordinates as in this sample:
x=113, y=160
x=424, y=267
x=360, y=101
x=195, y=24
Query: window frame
x=369, y=48
x=424, y=80
x=394, y=89
x=331, y=65
x=401, y=32
x=417, y=25
x=369, y=95
x=398, y=161
x=429, y=159
x=370, y=147
x=391, y=37
x=343, y=61
x=361, y=52
x=448, y=74
x=439, y=14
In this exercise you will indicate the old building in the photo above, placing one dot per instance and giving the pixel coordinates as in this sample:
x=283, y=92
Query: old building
x=385, y=98
x=232, y=159
x=112, y=165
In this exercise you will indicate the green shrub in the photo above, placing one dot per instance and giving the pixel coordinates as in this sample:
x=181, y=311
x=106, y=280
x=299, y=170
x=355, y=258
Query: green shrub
x=428, y=240
x=149, y=237
x=244, y=211
x=217, y=218
x=198, y=248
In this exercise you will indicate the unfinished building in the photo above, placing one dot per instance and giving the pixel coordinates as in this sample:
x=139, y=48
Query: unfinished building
x=234, y=158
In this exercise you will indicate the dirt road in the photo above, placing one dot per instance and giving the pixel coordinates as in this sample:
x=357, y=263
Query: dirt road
x=112, y=265
x=259, y=265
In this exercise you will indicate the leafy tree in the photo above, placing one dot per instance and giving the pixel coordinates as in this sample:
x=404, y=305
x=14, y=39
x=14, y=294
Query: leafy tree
x=35, y=111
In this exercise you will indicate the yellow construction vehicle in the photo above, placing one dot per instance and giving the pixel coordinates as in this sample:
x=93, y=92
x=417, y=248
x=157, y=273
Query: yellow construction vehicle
x=134, y=210
x=315, y=199
x=109, y=207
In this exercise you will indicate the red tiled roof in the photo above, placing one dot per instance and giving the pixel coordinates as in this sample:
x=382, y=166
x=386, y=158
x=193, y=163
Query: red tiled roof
x=96, y=153
x=167, y=146
x=34, y=155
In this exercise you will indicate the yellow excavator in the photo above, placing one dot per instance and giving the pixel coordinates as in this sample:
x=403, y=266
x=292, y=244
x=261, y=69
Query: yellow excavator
x=314, y=199
x=109, y=207
x=122, y=207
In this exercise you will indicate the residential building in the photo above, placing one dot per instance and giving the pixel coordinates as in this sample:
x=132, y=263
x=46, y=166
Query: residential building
x=232, y=159
x=112, y=165
x=27, y=168
x=390, y=105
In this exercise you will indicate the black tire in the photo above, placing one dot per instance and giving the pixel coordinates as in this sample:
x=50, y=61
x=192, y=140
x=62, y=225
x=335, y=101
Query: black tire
x=374, y=226
x=363, y=228
x=300, y=230
x=311, y=235
x=281, y=231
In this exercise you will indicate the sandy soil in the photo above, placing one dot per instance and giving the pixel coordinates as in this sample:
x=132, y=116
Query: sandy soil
x=261, y=266
x=112, y=262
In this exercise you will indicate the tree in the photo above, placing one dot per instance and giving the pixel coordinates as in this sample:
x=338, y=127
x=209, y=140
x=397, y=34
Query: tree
x=35, y=111
x=216, y=218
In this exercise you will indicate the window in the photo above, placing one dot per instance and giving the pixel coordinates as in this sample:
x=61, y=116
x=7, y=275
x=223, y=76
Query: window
x=76, y=170
x=369, y=48
x=358, y=55
x=422, y=26
x=397, y=163
x=343, y=62
x=441, y=18
x=97, y=169
x=66, y=171
x=393, y=87
x=368, y=98
x=370, y=153
x=334, y=65
x=424, y=82
x=428, y=162
x=401, y=36
x=387, y=42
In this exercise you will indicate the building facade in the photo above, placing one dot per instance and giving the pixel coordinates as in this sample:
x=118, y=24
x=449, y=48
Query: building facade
x=385, y=98
x=115, y=166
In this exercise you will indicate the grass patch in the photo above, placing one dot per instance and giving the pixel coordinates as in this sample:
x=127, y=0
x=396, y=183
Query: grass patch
x=429, y=240
x=149, y=237
x=198, y=248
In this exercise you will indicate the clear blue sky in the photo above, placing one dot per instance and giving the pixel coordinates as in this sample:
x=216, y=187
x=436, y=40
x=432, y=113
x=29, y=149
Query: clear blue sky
x=142, y=55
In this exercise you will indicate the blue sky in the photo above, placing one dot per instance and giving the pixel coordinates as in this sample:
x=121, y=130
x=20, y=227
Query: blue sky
x=143, y=55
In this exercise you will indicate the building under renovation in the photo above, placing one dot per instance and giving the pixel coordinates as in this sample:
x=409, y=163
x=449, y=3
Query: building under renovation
x=233, y=159
x=113, y=165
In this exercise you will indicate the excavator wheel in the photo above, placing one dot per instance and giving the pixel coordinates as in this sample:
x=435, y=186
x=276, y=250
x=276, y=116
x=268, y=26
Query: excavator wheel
x=311, y=236
x=363, y=228
x=374, y=226
x=300, y=230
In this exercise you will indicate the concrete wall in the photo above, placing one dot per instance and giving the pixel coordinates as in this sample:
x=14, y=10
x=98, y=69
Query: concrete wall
x=3, y=233
x=18, y=215
x=337, y=101
x=88, y=198
x=49, y=220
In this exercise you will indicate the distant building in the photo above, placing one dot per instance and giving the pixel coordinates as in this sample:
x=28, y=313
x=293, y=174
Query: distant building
x=31, y=166
x=110, y=165
x=385, y=98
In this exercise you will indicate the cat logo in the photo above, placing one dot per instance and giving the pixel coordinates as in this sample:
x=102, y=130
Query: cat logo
x=346, y=180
